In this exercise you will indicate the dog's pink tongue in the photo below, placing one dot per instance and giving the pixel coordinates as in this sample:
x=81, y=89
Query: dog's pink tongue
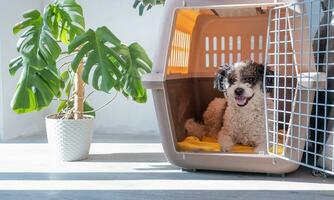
x=241, y=100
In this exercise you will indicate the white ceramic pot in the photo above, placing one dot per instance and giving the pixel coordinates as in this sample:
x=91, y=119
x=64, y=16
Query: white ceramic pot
x=69, y=139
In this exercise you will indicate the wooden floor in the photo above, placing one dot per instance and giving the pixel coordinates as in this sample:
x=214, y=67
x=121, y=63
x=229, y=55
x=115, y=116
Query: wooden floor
x=132, y=167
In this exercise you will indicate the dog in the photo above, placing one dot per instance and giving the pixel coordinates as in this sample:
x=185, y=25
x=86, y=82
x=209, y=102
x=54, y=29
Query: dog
x=212, y=120
x=240, y=118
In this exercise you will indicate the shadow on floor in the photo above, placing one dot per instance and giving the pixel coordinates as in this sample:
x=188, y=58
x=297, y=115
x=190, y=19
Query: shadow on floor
x=173, y=173
x=167, y=194
x=97, y=138
x=127, y=157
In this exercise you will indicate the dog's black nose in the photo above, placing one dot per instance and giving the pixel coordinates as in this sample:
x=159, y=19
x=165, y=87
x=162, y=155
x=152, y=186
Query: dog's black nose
x=239, y=91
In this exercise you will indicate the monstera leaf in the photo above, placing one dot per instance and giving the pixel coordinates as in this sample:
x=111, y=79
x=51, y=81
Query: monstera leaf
x=146, y=4
x=138, y=63
x=65, y=19
x=116, y=66
x=35, y=89
x=96, y=47
x=38, y=50
x=37, y=47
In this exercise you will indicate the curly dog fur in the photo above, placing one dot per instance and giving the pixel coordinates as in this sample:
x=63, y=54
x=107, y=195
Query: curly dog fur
x=212, y=120
x=240, y=118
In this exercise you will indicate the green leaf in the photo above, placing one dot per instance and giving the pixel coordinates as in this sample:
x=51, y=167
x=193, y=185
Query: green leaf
x=95, y=46
x=33, y=17
x=136, y=3
x=88, y=109
x=35, y=89
x=140, y=57
x=141, y=9
x=80, y=40
x=148, y=4
x=107, y=36
x=38, y=50
x=62, y=105
x=68, y=87
x=65, y=20
x=66, y=105
x=36, y=46
x=15, y=64
x=64, y=75
x=149, y=7
x=67, y=82
x=138, y=64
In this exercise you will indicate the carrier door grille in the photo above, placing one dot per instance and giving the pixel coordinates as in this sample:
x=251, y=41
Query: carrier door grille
x=299, y=115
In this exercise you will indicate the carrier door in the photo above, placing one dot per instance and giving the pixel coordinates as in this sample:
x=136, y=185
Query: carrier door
x=299, y=116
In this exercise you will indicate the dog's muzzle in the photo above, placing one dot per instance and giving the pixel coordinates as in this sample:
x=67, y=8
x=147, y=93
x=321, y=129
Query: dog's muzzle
x=242, y=100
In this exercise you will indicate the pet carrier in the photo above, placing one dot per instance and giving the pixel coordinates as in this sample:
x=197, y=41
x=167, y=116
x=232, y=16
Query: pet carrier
x=201, y=35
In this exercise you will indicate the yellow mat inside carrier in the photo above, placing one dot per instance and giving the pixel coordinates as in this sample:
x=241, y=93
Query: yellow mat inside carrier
x=209, y=144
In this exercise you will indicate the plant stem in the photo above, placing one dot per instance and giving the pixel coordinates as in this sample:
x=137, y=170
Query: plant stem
x=64, y=57
x=89, y=95
x=104, y=105
x=79, y=91
x=64, y=64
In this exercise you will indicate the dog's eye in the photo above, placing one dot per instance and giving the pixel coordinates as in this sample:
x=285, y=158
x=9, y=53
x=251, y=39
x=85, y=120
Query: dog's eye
x=231, y=80
x=249, y=80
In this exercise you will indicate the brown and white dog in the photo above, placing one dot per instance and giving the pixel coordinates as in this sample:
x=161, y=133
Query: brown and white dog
x=242, y=119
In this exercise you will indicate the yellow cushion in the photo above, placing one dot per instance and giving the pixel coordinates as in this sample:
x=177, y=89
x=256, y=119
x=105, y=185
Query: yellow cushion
x=209, y=144
x=209, y=139
x=242, y=149
x=279, y=149
x=192, y=143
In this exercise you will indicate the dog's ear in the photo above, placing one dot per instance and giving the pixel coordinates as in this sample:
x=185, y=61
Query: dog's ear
x=259, y=68
x=221, y=82
x=269, y=78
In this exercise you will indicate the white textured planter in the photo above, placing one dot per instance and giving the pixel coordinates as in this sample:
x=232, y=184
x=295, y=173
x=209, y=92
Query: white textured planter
x=69, y=139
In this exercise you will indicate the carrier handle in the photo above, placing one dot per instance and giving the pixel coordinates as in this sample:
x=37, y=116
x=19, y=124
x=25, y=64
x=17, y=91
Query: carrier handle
x=153, y=81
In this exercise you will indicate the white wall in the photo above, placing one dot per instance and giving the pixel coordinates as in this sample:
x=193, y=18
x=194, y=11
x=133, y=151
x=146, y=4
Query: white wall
x=124, y=116
x=13, y=125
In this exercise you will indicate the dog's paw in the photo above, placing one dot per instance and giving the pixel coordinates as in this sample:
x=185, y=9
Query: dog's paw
x=226, y=148
x=226, y=143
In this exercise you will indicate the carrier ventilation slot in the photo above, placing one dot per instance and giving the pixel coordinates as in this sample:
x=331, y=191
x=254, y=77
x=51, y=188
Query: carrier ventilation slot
x=228, y=50
x=179, y=55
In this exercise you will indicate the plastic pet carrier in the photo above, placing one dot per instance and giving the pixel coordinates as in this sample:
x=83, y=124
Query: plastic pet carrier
x=294, y=39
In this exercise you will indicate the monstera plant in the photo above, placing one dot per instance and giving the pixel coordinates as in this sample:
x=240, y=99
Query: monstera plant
x=143, y=5
x=58, y=57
